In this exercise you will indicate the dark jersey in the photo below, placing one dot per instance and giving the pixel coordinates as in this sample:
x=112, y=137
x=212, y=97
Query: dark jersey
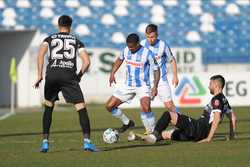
x=218, y=103
x=62, y=52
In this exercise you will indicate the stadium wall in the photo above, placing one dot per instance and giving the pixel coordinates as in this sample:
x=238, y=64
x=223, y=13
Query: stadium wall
x=12, y=44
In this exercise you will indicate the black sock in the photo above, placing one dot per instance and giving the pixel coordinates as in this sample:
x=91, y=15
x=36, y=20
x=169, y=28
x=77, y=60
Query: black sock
x=162, y=124
x=84, y=122
x=47, y=119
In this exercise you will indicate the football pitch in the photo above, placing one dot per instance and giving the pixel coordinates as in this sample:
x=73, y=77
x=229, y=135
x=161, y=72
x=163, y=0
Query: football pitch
x=20, y=142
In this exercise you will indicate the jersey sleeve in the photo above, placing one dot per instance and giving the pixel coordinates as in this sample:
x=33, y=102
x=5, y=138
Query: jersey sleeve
x=217, y=105
x=47, y=40
x=168, y=53
x=143, y=43
x=121, y=56
x=152, y=61
x=79, y=45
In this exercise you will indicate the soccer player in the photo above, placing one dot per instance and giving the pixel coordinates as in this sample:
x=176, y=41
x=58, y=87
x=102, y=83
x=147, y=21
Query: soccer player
x=62, y=48
x=138, y=61
x=163, y=56
x=202, y=129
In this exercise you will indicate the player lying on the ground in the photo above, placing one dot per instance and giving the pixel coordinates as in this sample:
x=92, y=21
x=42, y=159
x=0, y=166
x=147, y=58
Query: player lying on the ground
x=202, y=129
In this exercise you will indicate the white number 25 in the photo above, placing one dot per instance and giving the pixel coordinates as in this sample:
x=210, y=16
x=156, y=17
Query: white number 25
x=67, y=46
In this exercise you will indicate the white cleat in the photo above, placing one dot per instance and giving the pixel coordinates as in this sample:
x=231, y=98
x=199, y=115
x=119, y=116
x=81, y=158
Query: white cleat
x=150, y=138
x=131, y=136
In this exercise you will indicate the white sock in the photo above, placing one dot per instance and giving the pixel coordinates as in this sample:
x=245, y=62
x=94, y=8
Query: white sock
x=86, y=140
x=148, y=120
x=45, y=140
x=117, y=113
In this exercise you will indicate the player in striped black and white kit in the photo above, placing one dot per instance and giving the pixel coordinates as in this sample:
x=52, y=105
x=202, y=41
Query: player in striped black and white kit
x=138, y=61
x=163, y=57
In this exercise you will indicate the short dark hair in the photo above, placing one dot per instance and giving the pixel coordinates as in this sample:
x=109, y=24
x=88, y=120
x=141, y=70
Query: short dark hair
x=151, y=28
x=220, y=79
x=65, y=21
x=133, y=38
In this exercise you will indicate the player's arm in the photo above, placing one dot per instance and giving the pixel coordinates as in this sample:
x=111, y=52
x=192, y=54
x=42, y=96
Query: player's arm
x=173, y=62
x=85, y=61
x=84, y=56
x=213, y=128
x=175, y=80
x=118, y=62
x=232, y=123
x=40, y=61
x=154, y=65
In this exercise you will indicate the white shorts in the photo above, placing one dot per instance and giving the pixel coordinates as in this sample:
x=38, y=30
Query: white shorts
x=127, y=93
x=164, y=92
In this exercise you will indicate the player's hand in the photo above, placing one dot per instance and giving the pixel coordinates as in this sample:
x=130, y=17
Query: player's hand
x=175, y=81
x=37, y=83
x=79, y=75
x=206, y=140
x=112, y=79
x=154, y=92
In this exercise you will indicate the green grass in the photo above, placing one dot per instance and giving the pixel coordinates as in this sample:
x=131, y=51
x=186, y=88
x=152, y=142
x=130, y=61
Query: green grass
x=20, y=143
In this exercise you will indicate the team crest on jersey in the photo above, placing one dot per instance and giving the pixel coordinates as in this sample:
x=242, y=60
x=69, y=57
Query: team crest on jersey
x=216, y=103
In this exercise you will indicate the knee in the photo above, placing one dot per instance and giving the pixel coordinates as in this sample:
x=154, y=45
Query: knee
x=49, y=103
x=109, y=106
x=145, y=108
x=170, y=106
x=80, y=106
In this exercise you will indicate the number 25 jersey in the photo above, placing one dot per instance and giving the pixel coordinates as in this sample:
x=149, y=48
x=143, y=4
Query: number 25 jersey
x=62, y=51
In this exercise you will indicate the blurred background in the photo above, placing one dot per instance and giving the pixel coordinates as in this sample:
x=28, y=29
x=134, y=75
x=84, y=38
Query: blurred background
x=206, y=36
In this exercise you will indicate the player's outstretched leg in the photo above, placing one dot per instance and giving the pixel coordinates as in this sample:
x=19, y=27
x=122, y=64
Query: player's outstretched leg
x=161, y=125
x=111, y=106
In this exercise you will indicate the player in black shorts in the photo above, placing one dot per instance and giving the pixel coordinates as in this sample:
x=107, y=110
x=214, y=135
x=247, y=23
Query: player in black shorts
x=63, y=49
x=201, y=129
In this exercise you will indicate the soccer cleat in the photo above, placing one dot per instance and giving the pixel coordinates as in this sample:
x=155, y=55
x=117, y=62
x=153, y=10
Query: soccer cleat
x=131, y=124
x=147, y=132
x=45, y=146
x=131, y=136
x=87, y=146
x=151, y=138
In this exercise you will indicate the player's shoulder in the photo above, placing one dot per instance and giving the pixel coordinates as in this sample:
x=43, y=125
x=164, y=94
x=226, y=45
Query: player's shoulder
x=143, y=42
x=219, y=96
x=125, y=49
x=145, y=49
x=163, y=42
x=218, y=100
x=49, y=37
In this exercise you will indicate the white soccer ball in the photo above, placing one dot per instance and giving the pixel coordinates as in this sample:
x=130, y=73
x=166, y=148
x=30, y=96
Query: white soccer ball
x=110, y=136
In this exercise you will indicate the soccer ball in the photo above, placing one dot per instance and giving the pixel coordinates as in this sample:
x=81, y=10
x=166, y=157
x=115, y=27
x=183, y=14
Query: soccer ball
x=110, y=136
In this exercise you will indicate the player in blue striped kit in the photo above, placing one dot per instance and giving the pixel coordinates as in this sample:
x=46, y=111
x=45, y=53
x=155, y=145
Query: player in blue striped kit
x=139, y=60
x=163, y=56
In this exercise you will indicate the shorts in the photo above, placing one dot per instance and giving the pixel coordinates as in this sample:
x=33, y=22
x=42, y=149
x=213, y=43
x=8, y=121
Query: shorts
x=190, y=129
x=67, y=84
x=127, y=93
x=164, y=92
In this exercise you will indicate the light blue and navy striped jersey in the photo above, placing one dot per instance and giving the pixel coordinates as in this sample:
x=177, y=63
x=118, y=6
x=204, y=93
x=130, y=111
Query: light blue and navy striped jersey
x=138, y=66
x=162, y=53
